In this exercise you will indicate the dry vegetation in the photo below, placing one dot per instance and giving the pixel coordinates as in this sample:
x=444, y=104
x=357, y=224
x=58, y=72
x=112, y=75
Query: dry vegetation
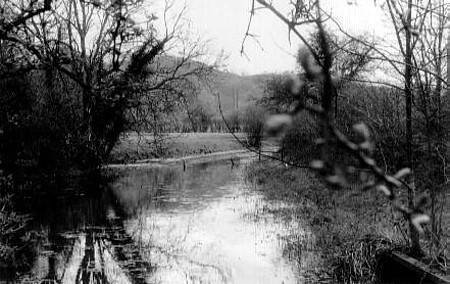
x=349, y=228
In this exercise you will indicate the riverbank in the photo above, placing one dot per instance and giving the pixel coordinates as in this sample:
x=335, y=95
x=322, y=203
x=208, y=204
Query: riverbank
x=232, y=156
x=133, y=148
x=350, y=227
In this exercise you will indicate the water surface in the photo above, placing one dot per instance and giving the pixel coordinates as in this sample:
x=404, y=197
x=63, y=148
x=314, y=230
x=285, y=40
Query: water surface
x=163, y=225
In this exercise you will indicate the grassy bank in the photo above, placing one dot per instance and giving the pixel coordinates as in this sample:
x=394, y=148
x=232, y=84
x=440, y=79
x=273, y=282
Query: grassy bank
x=350, y=227
x=133, y=147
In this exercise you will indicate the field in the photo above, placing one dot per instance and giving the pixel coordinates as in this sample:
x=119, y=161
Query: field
x=133, y=147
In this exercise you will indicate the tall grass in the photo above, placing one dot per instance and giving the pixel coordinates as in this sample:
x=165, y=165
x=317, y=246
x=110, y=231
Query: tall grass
x=349, y=228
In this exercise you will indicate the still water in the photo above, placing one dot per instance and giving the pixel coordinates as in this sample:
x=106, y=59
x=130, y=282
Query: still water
x=163, y=225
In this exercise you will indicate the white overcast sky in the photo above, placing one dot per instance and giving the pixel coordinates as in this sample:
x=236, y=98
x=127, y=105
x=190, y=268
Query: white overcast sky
x=224, y=22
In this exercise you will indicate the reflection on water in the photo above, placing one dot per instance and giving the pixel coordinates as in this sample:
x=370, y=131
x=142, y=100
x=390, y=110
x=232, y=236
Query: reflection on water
x=161, y=225
x=194, y=231
x=81, y=238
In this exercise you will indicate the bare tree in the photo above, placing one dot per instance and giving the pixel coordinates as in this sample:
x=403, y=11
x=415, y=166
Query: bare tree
x=14, y=15
x=118, y=63
x=429, y=55
x=405, y=16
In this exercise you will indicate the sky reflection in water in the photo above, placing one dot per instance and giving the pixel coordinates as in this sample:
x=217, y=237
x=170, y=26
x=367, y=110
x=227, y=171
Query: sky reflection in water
x=163, y=225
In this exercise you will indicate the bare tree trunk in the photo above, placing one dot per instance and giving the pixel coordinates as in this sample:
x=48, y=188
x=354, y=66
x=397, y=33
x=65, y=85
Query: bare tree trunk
x=448, y=60
x=414, y=234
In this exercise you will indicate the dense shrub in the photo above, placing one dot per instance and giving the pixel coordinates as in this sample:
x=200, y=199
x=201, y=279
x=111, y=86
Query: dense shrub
x=298, y=146
x=234, y=121
x=253, y=126
x=380, y=108
x=41, y=124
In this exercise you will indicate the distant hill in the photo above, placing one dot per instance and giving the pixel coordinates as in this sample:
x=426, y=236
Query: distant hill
x=236, y=91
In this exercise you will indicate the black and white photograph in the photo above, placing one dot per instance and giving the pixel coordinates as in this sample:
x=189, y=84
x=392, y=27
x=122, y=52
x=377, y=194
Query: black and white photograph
x=224, y=141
